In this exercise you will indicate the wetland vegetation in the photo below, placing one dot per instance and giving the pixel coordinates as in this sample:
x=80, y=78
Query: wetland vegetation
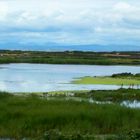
x=33, y=116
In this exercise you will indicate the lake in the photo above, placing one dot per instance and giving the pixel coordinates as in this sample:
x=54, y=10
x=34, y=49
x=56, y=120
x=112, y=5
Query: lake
x=51, y=77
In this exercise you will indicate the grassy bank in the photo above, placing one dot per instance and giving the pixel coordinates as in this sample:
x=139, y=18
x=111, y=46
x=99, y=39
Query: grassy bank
x=33, y=117
x=106, y=81
x=115, y=79
x=71, y=57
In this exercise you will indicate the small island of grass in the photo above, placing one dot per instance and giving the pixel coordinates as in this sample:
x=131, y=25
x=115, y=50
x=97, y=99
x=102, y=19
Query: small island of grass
x=115, y=79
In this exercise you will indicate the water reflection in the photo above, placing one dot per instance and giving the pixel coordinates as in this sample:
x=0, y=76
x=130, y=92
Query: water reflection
x=131, y=104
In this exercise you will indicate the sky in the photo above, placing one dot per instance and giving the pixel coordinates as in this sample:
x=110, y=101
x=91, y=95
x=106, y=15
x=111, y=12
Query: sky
x=102, y=22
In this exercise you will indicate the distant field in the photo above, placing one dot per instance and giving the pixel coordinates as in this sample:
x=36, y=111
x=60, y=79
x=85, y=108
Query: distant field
x=70, y=57
x=106, y=81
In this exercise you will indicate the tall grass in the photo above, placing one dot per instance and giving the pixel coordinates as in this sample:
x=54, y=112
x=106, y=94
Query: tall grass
x=32, y=117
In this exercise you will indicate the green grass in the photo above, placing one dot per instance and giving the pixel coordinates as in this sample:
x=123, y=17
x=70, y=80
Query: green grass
x=106, y=81
x=32, y=117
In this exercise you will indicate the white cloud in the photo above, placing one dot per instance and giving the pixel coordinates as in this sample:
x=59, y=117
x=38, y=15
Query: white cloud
x=123, y=6
x=3, y=10
x=73, y=21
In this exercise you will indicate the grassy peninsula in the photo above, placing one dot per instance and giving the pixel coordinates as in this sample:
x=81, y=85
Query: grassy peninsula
x=115, y=79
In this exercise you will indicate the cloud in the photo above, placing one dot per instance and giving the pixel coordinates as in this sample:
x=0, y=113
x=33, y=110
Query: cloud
x=89, y=21
x=3, y=10
x=123, y=7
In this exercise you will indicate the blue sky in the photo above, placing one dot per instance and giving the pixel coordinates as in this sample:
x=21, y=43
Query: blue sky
x=102, y=22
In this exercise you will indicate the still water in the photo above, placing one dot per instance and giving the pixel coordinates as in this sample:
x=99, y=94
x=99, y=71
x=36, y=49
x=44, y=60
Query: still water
x=47, y=77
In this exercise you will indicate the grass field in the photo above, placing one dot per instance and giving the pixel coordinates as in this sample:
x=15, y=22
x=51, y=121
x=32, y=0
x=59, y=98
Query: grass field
x=106, y=81
x=34, y=117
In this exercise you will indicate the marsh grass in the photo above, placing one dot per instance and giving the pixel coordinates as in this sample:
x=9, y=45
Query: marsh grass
x=111, y=95
x=115, y=95
x=32, y=116
x=100, y=95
